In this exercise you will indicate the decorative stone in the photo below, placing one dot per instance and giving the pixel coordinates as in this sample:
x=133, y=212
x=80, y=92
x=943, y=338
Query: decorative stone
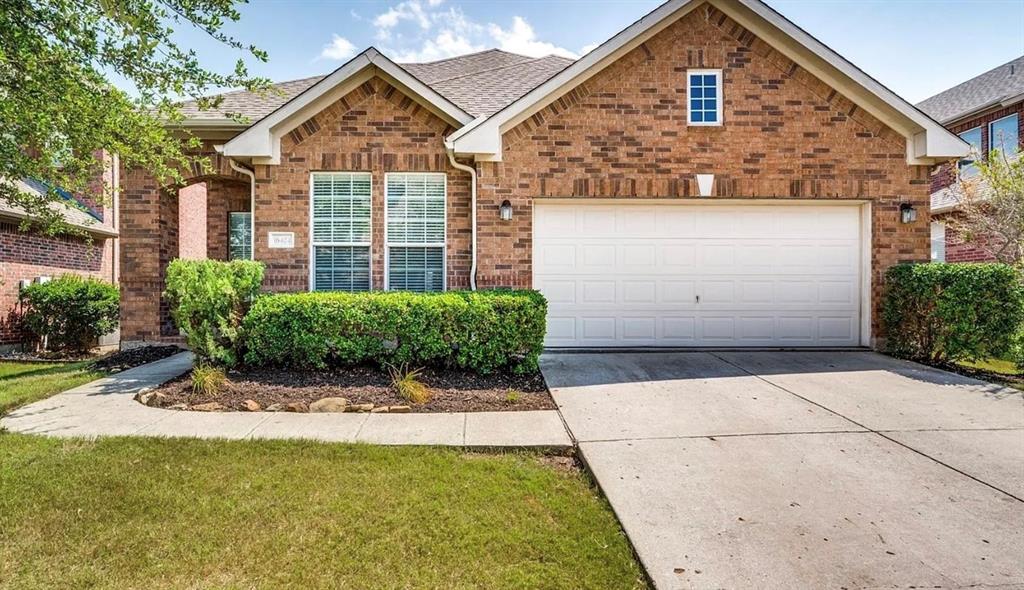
x=360, y=408
x=300, y=407
x=250, y=406
x=399, y=409
x=178, y=407
x=380, y=410
x=328, y=404
x=275, y=408
x=209, y=407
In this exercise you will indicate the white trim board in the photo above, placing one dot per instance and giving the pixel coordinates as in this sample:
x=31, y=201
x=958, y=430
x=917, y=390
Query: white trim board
x=927, y=141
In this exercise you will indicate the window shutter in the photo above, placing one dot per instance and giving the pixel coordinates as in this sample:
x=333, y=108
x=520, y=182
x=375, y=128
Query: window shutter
x=341, y=231
x=415, y=230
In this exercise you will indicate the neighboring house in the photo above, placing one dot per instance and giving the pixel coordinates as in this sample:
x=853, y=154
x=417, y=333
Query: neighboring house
x=710, y=176
x=28, y=256
x=988, y=113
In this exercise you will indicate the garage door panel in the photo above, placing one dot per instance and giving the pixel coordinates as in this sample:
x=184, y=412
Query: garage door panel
x=630, y=275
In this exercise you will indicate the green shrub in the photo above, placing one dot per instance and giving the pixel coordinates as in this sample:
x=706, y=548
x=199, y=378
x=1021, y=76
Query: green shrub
x=208, y=299
x=948, y=312
x=71, y=312
x=481, y=330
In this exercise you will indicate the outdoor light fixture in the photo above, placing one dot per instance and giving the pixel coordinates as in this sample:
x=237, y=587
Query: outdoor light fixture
x=704, y=184
x=505, y=211
x=907, y=213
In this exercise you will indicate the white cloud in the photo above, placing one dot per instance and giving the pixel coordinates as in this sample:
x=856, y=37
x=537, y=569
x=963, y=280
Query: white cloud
x=423, y=30
x=339, y=48
x=588, y=48
x=522, y=39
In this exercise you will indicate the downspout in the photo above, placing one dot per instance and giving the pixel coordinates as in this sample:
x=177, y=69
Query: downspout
x=252, y=203
x=472, y=214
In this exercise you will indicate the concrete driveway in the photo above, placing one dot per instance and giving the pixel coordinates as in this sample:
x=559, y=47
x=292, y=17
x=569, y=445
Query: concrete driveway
x=802, y=469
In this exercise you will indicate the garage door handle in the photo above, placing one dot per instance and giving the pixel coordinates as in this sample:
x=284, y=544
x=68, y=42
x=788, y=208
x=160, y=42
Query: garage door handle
x=698, y=298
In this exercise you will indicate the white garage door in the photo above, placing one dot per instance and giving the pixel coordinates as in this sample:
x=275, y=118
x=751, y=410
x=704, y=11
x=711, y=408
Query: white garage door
x=699, y=275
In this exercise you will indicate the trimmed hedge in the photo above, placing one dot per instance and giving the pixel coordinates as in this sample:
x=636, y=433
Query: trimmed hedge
x=208, y=299
x=71, y=312
x=483, y=330
x=947, y=312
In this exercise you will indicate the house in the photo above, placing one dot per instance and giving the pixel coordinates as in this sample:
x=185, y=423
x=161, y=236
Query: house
x=30, y=256
x=712, y=175
x=987, y=112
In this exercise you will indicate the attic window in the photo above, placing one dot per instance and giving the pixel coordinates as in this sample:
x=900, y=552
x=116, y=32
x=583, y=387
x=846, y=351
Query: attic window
x=704, y=97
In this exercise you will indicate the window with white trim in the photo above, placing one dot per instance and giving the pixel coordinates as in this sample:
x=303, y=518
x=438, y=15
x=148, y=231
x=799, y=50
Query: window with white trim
x=704, y=97
x=938, y=236
x=239, y=235
x=414, y=231
x=340, y=228
x=967, y=166
x=1004, y=135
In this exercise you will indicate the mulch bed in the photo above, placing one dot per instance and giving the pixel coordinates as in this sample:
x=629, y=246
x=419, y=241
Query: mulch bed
x=134, y=357
x=453, y=390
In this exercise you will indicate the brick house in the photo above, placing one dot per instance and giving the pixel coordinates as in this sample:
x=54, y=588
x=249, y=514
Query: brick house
x=987, y=112
x=710, y=176
x=29, y=256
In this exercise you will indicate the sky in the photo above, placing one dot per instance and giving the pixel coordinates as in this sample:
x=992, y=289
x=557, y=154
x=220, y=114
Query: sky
x=915, y=47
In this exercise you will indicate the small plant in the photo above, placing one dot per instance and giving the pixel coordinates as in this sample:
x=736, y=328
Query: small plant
x=513, y=396
x=408, y=384
x=208, y=380
x=71, y=312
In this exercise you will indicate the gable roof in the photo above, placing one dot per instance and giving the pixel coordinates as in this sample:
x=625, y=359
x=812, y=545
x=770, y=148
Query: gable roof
x=993, y=88
x=478, y=83
x=927, y=140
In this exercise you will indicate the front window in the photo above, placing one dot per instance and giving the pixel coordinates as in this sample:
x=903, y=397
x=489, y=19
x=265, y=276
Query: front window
x=967, y=166
x=239, y=235
x=340, y=231
x=938, y=241
x=1004, y=135
x=704, y=93
x=415, y=231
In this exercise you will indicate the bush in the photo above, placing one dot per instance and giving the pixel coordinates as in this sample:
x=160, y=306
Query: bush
x=208, y=300
x=940, y=313
x=482, y=330
x=208, y=380
x=71, y=312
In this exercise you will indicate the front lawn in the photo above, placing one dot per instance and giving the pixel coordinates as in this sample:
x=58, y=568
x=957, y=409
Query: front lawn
x=22, y=383
x=1000, y=371
x=148, y=513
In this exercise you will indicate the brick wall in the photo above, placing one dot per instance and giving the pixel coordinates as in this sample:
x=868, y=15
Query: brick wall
x=375, y=129
x=192, y=221
x=958, y=247
x=28, y=255
x=223, y=197
x=623, y=133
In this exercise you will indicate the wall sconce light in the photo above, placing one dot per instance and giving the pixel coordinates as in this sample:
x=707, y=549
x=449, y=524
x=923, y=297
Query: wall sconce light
x=907, y=213
x=704, y=184
x=505, y=211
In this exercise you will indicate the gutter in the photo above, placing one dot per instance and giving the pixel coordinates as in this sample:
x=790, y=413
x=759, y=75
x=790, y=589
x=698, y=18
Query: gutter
x=472, y=208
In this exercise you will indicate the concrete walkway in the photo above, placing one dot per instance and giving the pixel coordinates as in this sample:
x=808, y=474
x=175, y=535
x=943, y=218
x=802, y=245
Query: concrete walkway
x=802, y=469
x=106, y=408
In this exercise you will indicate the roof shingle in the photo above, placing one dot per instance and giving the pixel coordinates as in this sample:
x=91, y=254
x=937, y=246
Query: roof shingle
x=980, y=92
x=478, y=83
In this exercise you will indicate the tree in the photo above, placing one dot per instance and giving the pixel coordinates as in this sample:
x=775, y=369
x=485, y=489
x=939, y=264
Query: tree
x=990, y=206
x=58, y=107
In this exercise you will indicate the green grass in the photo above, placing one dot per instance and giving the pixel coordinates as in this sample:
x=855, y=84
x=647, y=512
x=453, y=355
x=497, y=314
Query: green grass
x=999, y=370
x=151, y=513
x=22, y=383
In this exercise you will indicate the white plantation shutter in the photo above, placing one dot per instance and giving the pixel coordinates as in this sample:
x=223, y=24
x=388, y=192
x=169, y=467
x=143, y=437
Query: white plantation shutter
x=341, y=231
x=415, y=231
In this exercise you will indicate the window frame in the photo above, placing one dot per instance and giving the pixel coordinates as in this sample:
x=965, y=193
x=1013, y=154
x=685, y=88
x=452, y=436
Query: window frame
x=249, y=241
x=312, y=239
x=968, y=161
x=443, y=245
x=934, y=241
x=992, y=137
x=719, y=98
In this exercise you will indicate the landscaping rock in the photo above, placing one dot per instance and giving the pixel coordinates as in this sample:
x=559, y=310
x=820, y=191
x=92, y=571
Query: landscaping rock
x=300, y=407
x=327, y=404
x=177, y=407
x=380, y=410
x=250, y=406
x=360, y=408
x=399, y=409
x=275, y=408
x=151, y=398
x=209, y=407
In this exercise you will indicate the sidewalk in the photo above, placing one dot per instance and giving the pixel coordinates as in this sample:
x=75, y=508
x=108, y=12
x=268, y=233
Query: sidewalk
x=106, y=408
